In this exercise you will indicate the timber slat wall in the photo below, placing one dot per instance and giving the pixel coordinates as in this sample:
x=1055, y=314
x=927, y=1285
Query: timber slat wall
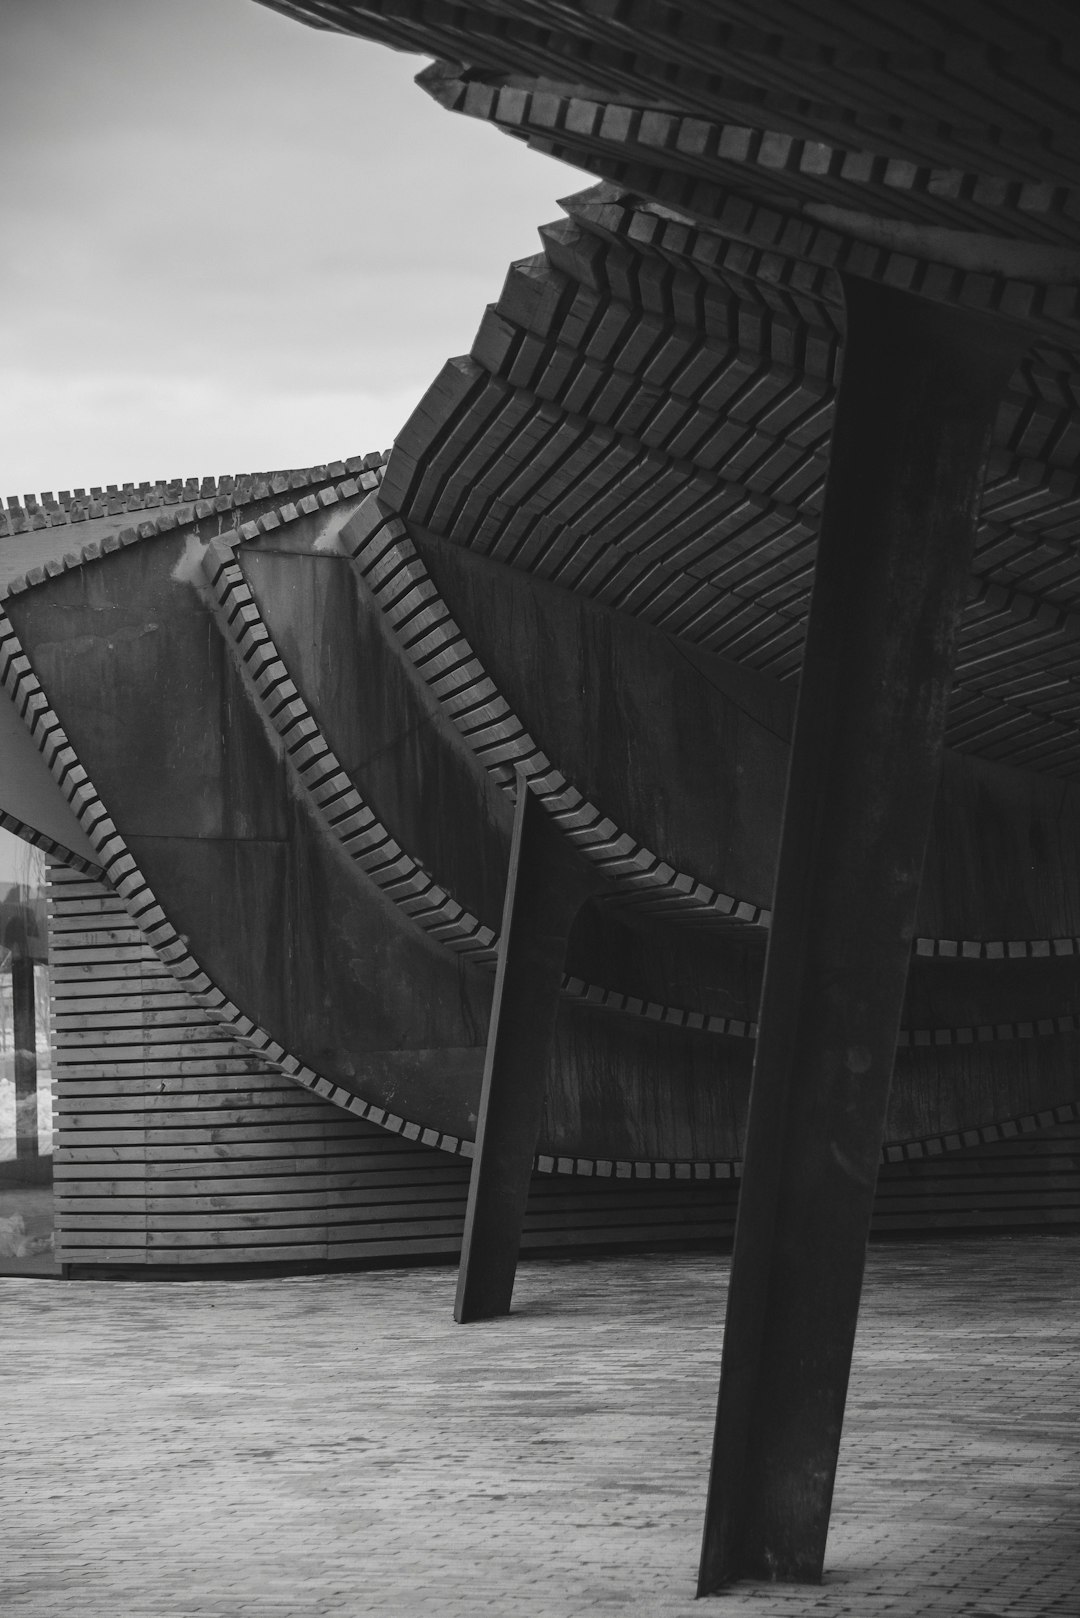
x=177, y=1147
x=1032, y=1181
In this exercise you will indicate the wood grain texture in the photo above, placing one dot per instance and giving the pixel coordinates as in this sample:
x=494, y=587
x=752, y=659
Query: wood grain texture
x=176, y=1145
x=165, y=1159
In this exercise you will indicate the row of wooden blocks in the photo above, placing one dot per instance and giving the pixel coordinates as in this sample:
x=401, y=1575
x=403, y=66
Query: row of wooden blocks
x=44, y=511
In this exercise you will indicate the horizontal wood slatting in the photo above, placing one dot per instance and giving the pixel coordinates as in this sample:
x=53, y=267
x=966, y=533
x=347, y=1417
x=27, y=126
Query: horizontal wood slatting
x=176, y=1146
x=648, y=426
x=1032, y=1180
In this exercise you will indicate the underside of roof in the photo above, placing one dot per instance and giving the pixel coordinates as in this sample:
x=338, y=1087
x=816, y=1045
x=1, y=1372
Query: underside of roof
x=645, y=415
x=961, y=115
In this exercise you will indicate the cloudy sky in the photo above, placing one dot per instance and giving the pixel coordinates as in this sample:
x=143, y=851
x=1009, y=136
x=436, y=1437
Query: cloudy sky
x=231, y=242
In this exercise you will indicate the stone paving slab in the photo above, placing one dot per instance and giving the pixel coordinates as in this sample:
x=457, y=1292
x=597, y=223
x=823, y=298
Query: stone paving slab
x=325, y=1446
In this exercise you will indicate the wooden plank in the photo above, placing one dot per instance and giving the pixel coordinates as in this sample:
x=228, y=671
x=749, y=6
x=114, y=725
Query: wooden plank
x=157, y=1043
x=1058, y=1191
x=121, y=1070
x=219, y=1222
x=119, y=1219
x=64, y=916
x=643, y=1215
x=193, y=1107
x=958, y=1168
x=202, y=1124
x=155, y=1055
x=216, y=1225
x=202, y=1206
x=348, y=1200
x=181, y=1159
x=402, y=1245
x=267, y=1086
x=134, y=980
x=72, y=1240
x=65, y=876
x=714, y=1229
x=255, y=1238
x=109, y=970
x=111, y=957
x=74, y=1209
x=142, y=1138
x=134, y=1256
x=71, y=1164
x=985, y=1219
x=250, y=1239
x=117, y=1014
x=173, y=1142
x=288, y=1252
x=122, y=1179
x=70, y=942
x=965, y=1188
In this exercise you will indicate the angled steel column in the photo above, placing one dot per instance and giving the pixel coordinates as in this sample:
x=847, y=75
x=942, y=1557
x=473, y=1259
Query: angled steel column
x=546, y=886
x=916, y=405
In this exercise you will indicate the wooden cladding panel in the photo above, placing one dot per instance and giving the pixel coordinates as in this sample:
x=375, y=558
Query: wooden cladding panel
x=176, y=1146
x=1032, y=1181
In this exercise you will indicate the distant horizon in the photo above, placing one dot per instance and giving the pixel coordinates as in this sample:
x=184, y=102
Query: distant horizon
x=233, y=243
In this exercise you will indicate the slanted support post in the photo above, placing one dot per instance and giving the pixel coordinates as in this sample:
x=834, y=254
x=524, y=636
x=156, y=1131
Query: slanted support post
x=547, y=884
x=916, y=406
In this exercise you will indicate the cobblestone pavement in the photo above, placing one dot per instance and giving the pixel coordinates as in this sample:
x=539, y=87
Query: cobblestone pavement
x=294, y=1448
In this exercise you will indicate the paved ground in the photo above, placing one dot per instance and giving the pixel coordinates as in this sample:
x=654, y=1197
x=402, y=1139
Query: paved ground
x=289, y=1449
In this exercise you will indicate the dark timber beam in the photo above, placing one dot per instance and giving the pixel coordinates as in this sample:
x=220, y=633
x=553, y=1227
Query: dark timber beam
x=919, y=394
x=547, y=884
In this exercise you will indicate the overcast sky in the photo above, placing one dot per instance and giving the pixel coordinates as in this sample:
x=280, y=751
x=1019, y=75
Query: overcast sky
x=230, y=242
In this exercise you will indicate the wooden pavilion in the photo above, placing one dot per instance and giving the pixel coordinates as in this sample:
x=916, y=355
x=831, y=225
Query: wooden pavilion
x=658, y=774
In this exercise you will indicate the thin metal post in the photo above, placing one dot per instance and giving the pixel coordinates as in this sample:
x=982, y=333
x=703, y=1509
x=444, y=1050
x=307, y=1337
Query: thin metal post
x=547, y=884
